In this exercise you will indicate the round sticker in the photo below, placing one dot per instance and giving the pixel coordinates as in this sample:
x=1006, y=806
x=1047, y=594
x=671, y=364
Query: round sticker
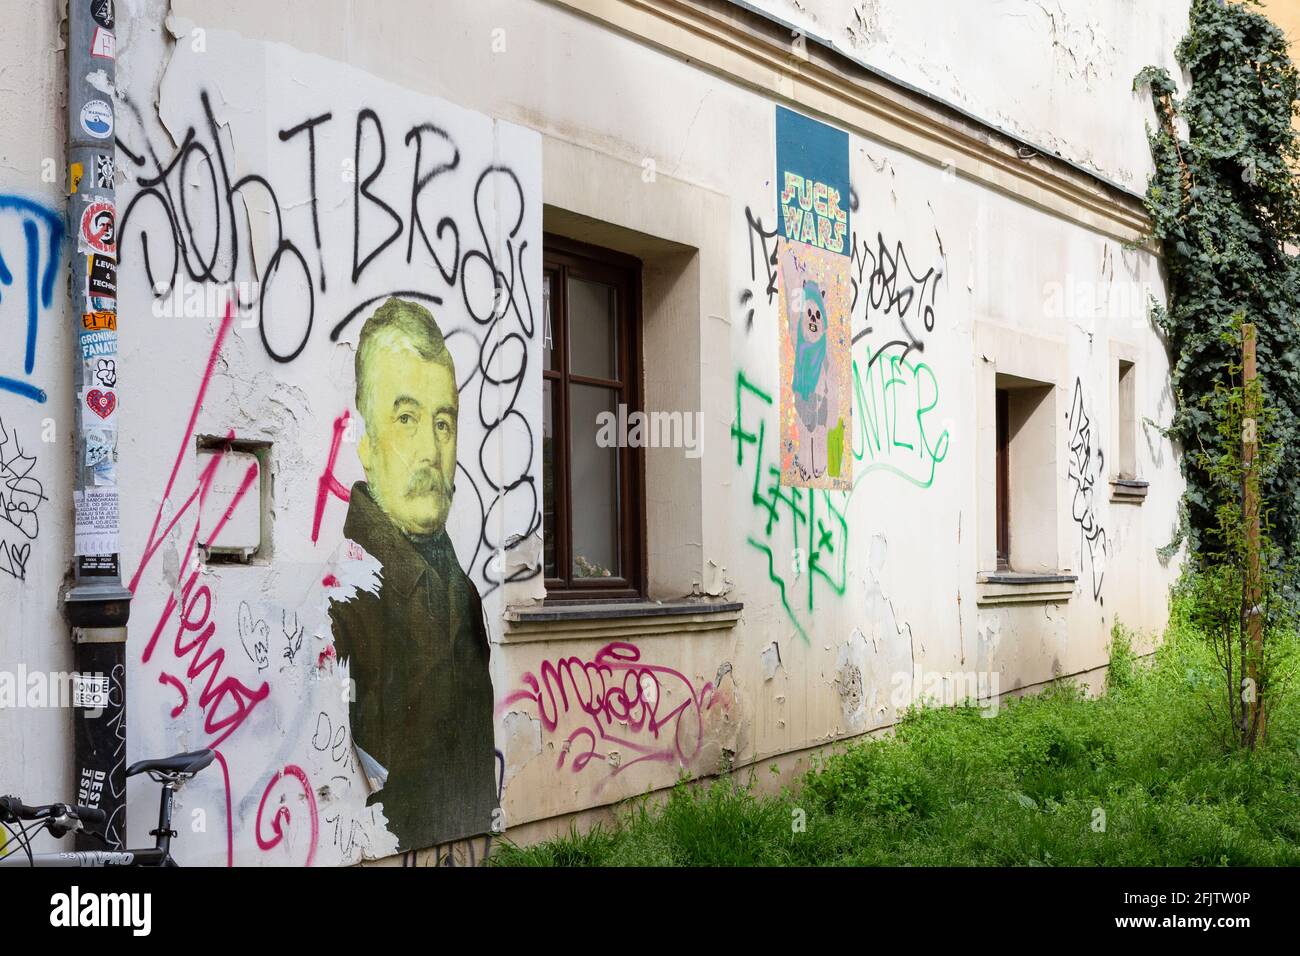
x=97, y=227
x=102, y=11
x=97, y=119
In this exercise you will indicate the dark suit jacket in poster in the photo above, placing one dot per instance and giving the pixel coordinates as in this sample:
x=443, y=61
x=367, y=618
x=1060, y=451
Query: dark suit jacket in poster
x=418, y=653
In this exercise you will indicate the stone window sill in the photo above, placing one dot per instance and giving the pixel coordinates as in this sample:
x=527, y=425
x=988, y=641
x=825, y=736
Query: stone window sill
x=1019, y=587
x=616, y=620
x=1128, y=490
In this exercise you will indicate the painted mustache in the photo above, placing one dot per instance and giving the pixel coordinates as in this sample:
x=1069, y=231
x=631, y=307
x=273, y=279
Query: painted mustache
x=426, y=481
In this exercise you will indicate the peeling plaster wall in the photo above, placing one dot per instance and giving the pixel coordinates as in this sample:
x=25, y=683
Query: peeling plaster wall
x=1064, y=68
x=894, y=595
x=838, y=633
x=243, y=193
x=35, y=409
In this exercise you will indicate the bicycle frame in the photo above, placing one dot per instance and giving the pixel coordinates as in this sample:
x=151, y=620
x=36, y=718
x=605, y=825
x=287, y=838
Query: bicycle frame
x=157, y=855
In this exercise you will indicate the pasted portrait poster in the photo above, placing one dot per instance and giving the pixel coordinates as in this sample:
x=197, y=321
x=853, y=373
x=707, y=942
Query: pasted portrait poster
x=812, y=177
x=370, y=380
x=417, y=650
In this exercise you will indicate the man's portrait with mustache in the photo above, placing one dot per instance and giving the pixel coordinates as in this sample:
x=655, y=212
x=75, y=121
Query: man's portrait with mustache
x=418, y=651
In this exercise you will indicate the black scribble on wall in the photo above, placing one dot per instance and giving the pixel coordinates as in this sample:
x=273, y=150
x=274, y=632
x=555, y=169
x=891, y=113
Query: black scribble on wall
x=202, y=238
x=890, y=298
x=767, y=241
x=1086, y=465
x=887, y=290
x=21, y=496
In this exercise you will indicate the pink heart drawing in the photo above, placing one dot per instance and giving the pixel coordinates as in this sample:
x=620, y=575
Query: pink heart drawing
x=101, y=403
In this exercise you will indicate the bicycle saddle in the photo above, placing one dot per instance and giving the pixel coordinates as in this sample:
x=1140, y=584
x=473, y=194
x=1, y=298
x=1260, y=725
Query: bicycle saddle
x=186, y=764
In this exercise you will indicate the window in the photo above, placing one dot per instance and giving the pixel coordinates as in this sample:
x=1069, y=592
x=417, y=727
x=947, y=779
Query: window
x=1026, y=530
x=591, y=485
x=1003, y=504
x=1127, y=421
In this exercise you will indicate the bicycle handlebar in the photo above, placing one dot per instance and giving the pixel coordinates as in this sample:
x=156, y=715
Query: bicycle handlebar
x=12, y=809
x=90, y=814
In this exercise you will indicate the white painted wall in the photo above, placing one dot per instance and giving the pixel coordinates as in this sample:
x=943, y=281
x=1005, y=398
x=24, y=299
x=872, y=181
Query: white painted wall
x=1058, y=73
x=36, y=455
x=535, y=87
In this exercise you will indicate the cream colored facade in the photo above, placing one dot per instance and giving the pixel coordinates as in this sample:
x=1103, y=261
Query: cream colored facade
x=646, y=127
x=1286, y=14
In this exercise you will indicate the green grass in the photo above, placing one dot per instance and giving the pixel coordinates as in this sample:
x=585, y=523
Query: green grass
x=1026, y=787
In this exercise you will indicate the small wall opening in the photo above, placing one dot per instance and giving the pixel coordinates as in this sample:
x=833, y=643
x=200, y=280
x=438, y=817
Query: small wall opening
x=241, y=485
x=1026, y=475
x=1127, y=420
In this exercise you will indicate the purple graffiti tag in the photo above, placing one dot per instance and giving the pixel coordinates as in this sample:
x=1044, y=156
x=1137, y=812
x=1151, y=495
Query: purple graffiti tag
x=617, y=689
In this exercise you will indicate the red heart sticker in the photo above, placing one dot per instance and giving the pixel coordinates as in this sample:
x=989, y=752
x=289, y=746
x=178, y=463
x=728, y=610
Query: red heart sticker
x=101, y=403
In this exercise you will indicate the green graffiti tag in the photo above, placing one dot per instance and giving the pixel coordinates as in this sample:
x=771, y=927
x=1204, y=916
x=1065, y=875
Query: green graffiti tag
x=818, y=530
x=890, y=407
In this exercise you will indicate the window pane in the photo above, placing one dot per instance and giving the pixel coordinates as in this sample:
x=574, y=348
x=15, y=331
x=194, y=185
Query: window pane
x=1127, y=421
x=548, y=331
x=1003, y=477
x=549, y=486
x=594, y=485
x=592, y=340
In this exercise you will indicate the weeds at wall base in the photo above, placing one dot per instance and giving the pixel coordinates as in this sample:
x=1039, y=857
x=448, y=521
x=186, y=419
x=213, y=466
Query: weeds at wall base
x=1136, y=777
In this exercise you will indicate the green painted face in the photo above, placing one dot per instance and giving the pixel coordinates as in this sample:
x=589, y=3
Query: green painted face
x=409, y=447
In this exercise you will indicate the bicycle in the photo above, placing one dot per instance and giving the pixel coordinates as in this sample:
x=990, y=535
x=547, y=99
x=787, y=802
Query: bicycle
x=60, y=819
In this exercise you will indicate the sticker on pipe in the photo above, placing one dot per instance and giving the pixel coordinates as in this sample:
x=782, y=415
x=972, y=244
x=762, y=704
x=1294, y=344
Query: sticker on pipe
x=98, y=232
x=103, y=43
x=101, y=402
x=98, y=344
x=101, y=372
x=103, y=171
x=98, y=565
x=101, y=446
x=97, y=119
x=99, y=321
x=101, y=280
x=104, y=473
x=102, y=13
x=96, y=527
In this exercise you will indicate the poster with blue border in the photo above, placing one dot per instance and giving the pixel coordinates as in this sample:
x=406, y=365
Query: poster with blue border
x=813, y=275
x=812, y=165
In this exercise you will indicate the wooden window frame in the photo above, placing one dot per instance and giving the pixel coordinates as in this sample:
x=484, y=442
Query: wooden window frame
x=562, y=258
x=1003, y=506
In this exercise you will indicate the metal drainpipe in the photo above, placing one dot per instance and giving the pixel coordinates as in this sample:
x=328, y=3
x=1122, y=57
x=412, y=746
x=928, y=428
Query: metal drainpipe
x=97, y=605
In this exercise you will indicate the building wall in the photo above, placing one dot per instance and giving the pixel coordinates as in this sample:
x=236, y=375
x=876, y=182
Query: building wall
x=1065, y=72
x=970, y=269
x=35, y=408
x=1286, y=14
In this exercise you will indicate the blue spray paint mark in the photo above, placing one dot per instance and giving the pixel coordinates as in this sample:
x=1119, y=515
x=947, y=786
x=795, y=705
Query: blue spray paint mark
x=33, y=311
x=40, y=281
x=23, y=389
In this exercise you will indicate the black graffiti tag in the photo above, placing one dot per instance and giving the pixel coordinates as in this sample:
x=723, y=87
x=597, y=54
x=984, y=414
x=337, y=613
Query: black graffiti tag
x=191, y=186
x=886, y=285
x=1083, y=475
x=21, y=496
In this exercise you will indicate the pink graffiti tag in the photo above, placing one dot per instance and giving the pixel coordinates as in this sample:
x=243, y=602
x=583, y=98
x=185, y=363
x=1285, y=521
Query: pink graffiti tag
x=228, y=702
x=327, y=484
x=282, y=814
x=167, y=679
x=616, y=688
